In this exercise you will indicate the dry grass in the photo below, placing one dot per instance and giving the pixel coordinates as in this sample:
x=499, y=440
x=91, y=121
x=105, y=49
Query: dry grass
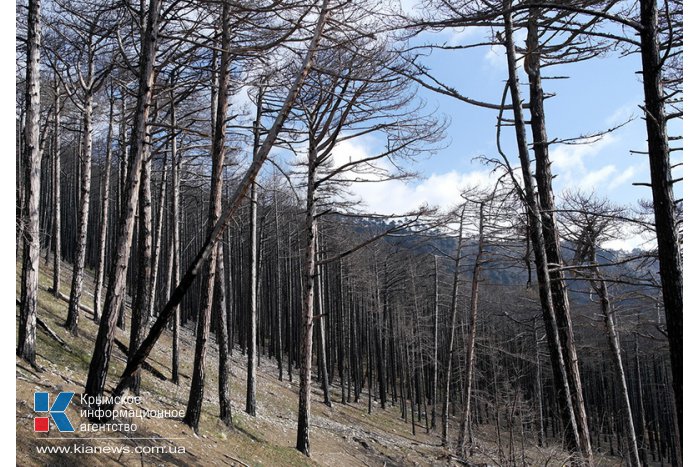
x=342, y=436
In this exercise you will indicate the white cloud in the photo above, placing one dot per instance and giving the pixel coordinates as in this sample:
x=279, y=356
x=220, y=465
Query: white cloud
x=594, y=179
x=629, y=240
x=569, y=162
x=440, y=190
x=622, y=178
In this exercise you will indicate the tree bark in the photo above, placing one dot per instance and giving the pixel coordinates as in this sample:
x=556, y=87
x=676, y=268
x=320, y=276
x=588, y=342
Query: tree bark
x=102, y=247
x=560, y=299
x=26, y=340
x=56, y=175
x=307, y=319
x=601, y=288
x=174, y=274
x=670, y=256
x=140, y=305
x=219, y=310
x=453, y=324
x=194, y=404
x=436, y=310
x=533, y=211
x=471, y=338
x=99, y=364
x=158, y=238
x=76, y=290
x=237, y=198
x=251, y=384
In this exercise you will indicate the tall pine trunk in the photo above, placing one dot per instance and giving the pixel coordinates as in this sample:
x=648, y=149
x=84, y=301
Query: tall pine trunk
x=140, y=306
x=251, y=383
x=453, y=325
x=237, y=198
x=194, y=404
x=56, y=182
x=471, y=338
x=670, y=260
x=543, y=174
x=76, y=290
x=538, y=246
x=114, y=300
x=26, y=340
x=104, y=218
x=307, y=318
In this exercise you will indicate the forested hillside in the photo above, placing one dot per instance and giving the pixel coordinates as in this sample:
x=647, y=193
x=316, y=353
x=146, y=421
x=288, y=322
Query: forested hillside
x=192, y=228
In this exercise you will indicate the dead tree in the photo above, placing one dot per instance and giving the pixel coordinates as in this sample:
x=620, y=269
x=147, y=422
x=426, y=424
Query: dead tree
x=218, y=155
x=99, y=363
x=26, y=340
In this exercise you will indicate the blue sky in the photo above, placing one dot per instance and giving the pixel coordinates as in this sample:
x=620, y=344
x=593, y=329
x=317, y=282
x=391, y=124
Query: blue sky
x=600, y=93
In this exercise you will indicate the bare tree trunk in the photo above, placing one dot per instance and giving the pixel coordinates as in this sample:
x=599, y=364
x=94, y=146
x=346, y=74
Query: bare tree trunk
x=102, y=247
x=601, y=288
x=140, y=306
x=560, y=299
x=76, y=290
x=436, y=309
x=157, y=239
x=533, y=211
x=222, y=339
x=538, y=388
x=56, y=175
x=26, y=340
x=237, y=198
x=321, y=356
x=307, y=319
x=174, y=274
x=471, y=338
x=670, y=258
x=278, y=284
x=194, y=404
x=250, y=402
x=253, y=296
x=453, y=324
x=99, y=364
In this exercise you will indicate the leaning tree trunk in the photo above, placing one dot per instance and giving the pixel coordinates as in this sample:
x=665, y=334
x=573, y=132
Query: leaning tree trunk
x=560, y=298
x=26, y=340
x=534, y=219
x=194, y=404
x=670, y=257
x=99, y=364
x=600, y=286
x=237, y=198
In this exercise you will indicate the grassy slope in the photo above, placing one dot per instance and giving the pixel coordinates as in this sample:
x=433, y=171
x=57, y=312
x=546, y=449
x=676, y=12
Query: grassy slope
x=342, y=436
